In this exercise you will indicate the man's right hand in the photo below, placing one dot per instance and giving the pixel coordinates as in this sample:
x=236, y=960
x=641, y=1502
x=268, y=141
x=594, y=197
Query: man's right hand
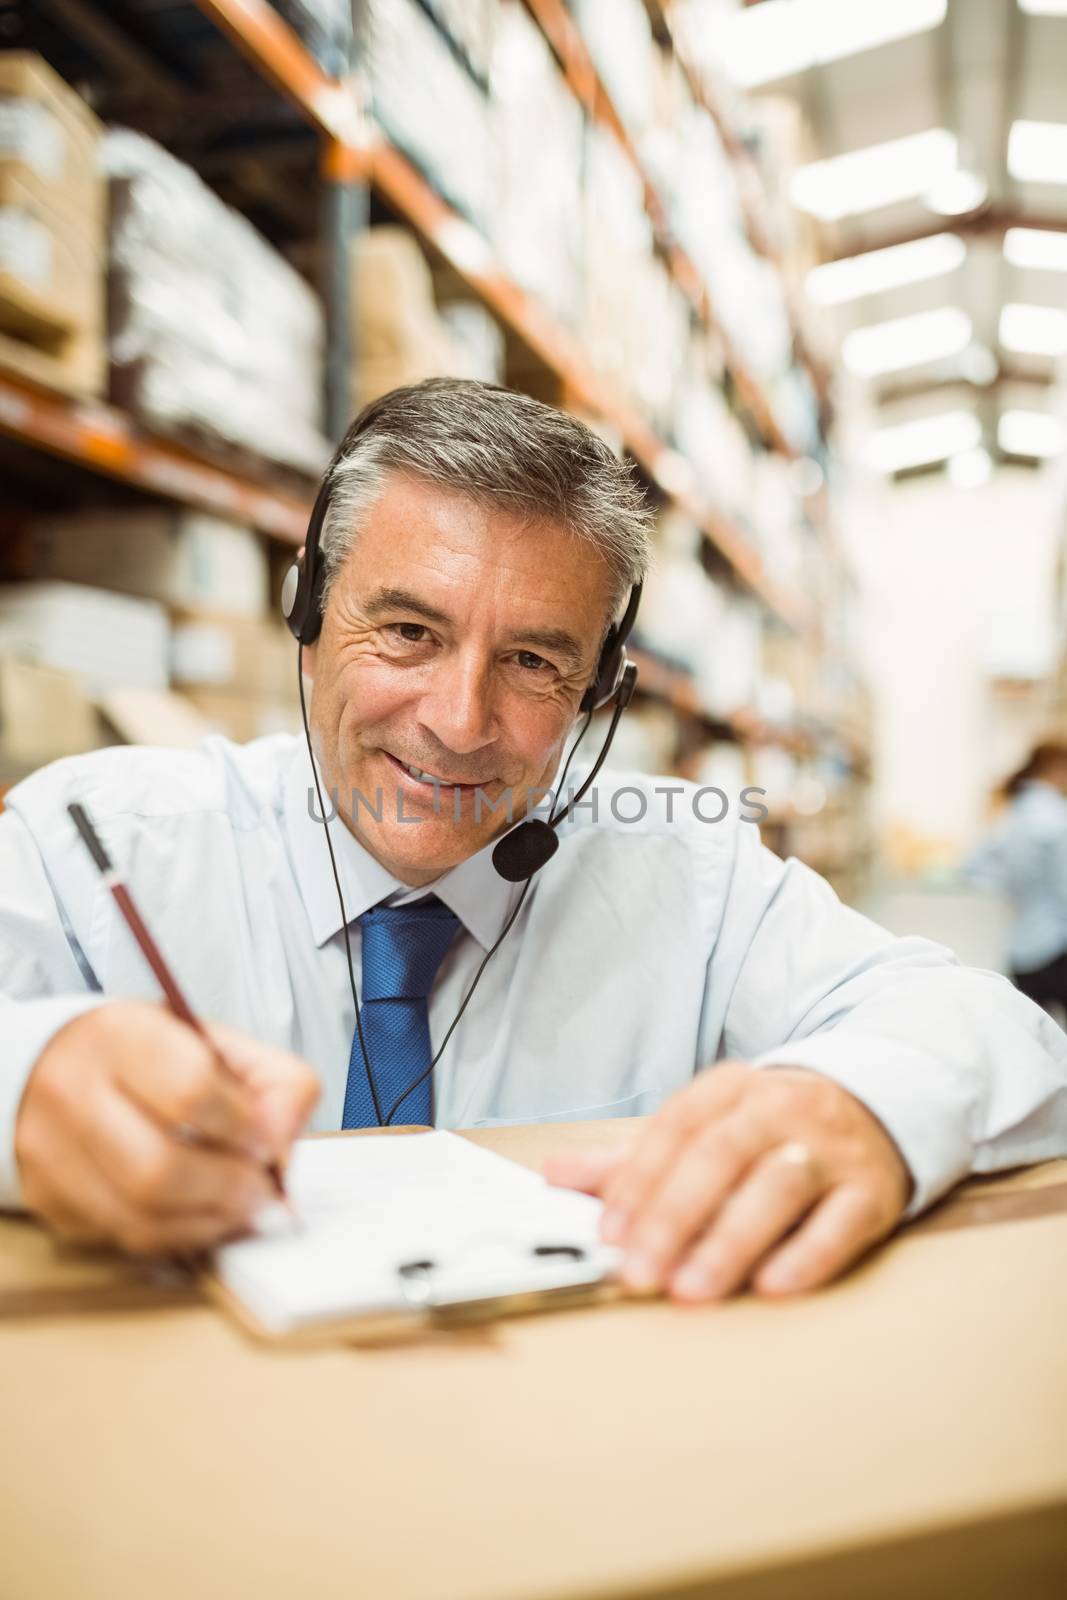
x=130, y=1134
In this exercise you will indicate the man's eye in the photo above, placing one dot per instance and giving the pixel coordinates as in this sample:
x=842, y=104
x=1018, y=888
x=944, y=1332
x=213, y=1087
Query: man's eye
x=410, y=632
x=531, y=662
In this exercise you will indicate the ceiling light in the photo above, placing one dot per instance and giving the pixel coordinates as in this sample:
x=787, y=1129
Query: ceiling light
x=1037, y=152
x=1042, y=248
x=970, y=469
x=1044, y=8
x=863, y=180
x=907, y=341
x=780, y=37
x=956, y=193
x=1030, y=433
x=1034, y=330
x=929, y=439
x=878, y=270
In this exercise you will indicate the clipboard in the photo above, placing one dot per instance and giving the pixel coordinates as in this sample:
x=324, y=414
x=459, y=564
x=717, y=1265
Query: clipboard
x=428, y=1233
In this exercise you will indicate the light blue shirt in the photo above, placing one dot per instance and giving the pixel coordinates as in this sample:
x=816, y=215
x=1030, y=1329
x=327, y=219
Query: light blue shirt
x=1025, y=859
x=645, y=951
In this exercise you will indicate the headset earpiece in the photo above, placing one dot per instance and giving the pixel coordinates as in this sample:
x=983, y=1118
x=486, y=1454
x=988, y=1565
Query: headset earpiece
x=302, y=587
x=613, y=658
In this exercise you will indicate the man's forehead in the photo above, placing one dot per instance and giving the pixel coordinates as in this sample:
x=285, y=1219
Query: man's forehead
x=417, y=531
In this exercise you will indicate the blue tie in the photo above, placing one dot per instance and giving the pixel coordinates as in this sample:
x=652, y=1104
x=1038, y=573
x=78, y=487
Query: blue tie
x=403, y=947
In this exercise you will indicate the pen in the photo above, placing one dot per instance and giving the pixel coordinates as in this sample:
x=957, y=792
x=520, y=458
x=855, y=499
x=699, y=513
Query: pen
x=152, y=954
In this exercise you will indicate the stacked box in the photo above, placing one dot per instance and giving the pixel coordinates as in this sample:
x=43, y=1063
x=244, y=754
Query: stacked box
x=469, y=24
x=170, y=554
x=429, y=105
x=619, y=252
x=52, y=228
x=110, y=641
x=45, y=713
x=539, y=128
x=212, y=332
x=400, y=337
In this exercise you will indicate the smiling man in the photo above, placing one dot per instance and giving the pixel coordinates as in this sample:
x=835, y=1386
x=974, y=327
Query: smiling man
x=812, y=1079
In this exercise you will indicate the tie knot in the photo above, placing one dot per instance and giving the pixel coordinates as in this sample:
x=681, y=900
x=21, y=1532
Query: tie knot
x=403, y=947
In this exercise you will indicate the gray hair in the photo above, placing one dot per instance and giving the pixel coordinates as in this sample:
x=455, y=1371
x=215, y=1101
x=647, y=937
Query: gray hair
x=500, y=448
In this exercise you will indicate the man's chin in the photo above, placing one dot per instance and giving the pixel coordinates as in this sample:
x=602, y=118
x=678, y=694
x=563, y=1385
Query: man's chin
x=422, y=850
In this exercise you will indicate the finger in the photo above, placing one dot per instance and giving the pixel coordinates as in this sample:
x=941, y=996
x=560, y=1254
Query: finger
x=285, y=1088
x=711, y=1092
x=161, y=1176
x=709, y=1165
x=847, y=1222
x=178, y=1080
x=777, y=1193
x=83, y=1207
x=584, y=1169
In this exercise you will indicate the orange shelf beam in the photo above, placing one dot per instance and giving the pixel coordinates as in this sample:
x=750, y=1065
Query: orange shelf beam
x=104, y=439
x=278, y=54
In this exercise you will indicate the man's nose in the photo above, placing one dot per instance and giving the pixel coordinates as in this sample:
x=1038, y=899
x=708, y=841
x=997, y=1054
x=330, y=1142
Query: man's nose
x=457, y=707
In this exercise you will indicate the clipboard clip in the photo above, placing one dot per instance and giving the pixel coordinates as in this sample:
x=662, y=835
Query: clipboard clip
x=535, y=1278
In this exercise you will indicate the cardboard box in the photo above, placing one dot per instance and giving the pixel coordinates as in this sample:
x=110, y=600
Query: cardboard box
x=242, y=717
x=174, y=555
x=44, y=714
x=52, y=279
x=77, y=366
x=250, y=654
x=110, y=640
x=49, y=142
x=902, y=1434
x=53, y=215
x=400, y=337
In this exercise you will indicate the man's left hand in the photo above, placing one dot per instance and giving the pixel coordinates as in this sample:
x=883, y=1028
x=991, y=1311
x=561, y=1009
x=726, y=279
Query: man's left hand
x=774, y=1177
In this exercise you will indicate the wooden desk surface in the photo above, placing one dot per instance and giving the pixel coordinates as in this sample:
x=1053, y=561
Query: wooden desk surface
x=902, y=1433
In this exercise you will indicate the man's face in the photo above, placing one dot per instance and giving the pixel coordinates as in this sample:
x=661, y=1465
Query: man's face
x=457, y=640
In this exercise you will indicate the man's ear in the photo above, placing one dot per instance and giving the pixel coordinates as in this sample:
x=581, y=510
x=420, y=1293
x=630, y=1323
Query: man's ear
x=309, y=658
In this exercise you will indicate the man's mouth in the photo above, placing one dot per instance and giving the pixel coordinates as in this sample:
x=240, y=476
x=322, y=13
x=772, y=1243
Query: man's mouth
x=431, y=780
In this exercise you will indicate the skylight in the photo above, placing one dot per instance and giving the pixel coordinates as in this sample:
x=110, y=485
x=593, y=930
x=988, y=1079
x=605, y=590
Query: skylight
x=1030, y=433
x=879, y=270
x=1033, y=330
x=1042, y=248
x=1037, y=152
x=928, y=439
x=780, y=37
x=907, y=341
x=862, y=180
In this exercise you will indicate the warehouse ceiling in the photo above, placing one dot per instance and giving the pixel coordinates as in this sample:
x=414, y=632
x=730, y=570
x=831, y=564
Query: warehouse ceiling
x=972, y=76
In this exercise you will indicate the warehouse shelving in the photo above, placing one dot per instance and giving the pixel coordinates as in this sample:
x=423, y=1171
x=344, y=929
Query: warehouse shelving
x=562, y=34
x=357, y=153
x=750, y=186
x=103, y=438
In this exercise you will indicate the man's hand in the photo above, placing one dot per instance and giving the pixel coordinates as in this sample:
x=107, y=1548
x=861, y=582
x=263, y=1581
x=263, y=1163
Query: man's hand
x=775, y=1177
x=128, y=1132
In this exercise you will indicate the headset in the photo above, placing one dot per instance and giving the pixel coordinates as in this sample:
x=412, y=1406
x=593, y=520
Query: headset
x=526, y=848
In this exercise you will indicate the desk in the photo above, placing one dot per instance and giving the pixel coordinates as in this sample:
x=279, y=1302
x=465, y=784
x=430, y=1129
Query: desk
x=903, y=1433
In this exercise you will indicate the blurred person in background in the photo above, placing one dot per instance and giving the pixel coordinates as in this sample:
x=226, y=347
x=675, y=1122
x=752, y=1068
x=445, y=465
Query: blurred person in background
x=1024, y=858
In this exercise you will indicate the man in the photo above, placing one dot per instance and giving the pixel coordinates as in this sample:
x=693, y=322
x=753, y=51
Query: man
x=477, y=547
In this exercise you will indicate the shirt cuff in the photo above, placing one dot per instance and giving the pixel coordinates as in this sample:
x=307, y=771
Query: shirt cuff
x=920, y=1103
x=26, y=1028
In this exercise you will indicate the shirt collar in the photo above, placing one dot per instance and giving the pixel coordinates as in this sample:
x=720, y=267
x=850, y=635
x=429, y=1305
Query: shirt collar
x=474, y=890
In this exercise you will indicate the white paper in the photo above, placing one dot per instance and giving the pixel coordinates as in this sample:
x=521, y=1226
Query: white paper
x=367, y=1206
